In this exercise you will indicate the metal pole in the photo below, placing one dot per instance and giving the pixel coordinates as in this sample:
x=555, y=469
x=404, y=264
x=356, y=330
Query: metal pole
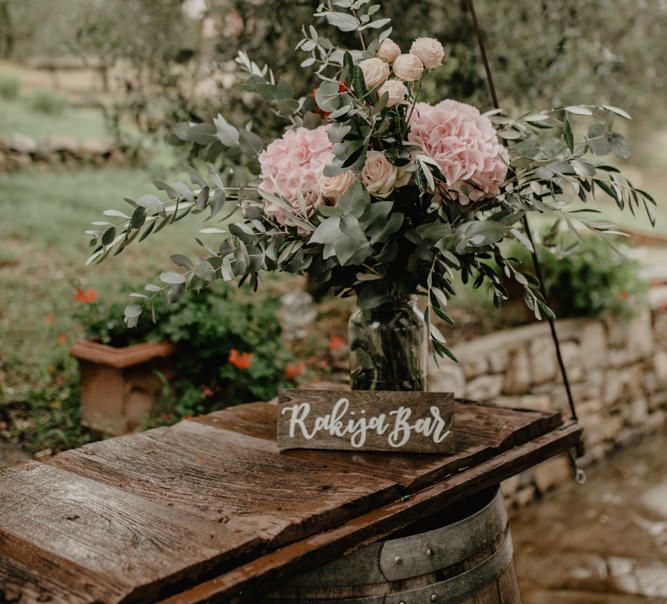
x=536, y=262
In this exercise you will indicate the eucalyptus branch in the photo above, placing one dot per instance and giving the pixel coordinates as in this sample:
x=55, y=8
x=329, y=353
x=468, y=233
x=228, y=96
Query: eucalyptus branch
x=362, y=40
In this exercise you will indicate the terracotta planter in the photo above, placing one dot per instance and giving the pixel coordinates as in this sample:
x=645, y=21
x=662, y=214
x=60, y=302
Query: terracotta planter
x=120, y=386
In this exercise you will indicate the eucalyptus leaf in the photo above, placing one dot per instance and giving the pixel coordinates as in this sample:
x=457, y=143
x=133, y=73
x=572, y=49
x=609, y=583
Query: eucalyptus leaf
x=343, y=21
x=225, y=132
x=181, y=260
x=172, y=278
x=327, y=96
x=578, y=110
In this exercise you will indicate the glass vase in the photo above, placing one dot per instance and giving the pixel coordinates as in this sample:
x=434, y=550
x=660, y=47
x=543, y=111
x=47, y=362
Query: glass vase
x=388, y=347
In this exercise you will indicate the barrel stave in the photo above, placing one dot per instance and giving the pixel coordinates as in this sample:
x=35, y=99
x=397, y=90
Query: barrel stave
x=468, y=561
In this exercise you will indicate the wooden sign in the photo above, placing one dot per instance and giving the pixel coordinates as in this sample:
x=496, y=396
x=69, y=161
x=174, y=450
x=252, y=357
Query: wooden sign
x=405, y=422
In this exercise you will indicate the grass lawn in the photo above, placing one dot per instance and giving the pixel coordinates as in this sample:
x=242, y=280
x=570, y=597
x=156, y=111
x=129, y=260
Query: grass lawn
x=81, y=123
x=42, y=219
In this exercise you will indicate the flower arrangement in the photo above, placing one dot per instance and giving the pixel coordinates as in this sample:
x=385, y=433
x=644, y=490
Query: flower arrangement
x=371, y=190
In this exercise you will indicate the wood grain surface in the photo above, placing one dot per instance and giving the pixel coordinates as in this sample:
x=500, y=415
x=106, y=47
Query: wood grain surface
x=210, y=508
x=239, y=585
x=230, y=479
x=109, y=535
x=481, y=432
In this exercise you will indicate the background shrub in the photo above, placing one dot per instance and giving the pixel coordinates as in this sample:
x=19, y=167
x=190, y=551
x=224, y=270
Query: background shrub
x=587, y=277
x=10, y=87
x=48, y=102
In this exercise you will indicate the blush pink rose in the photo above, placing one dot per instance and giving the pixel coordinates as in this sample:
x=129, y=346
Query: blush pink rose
x=396, y=92
x=408, y=67
x=465, y=146
x=333, y=187
x=429, y=50
x=378, y=174
x=295, y=164
x=375, y=71
x=389, y=51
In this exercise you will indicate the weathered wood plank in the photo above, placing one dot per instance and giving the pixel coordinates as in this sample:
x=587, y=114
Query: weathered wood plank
x=26, y=585
x=50, y=566
x=400, y=422
x=231, y=479
x=92, y=532
x=217, y=491
x=253, y=419
x=481, y=432
x=239, y=584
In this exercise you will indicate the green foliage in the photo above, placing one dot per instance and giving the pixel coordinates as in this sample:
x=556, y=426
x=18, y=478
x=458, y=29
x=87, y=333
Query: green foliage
x=10, y=87
x=206, y=325
x=209, y=324
x=50, y=417
x=586, y=277
x=380, y=249
x=42, y=215
x=551, y=53
x=48, y=102
x=104, y=323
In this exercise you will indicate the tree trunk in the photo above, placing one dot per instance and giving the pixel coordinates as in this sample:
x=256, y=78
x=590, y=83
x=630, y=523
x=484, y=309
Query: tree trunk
x=6, y=30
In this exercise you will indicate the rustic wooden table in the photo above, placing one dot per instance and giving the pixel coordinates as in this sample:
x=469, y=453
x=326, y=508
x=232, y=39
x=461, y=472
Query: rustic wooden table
x=210, y=510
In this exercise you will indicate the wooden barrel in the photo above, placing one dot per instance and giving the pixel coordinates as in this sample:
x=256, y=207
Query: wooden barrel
x=467, y=559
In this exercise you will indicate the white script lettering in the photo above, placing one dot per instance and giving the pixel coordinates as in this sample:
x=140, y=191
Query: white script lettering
x=342, y=423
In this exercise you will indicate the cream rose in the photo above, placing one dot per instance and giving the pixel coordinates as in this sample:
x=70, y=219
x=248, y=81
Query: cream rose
x=429, y=50
x=408, y=67
x=378, y=175
x=375, y=71
x=389, y=51
x=332, y=187
x=396, y=90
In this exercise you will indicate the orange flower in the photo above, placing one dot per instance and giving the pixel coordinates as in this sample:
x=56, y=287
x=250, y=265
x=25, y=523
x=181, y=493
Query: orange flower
x=623, y=296
x=49, y=318
x=87, y=296
x=342, y=87
x=336, y=342
x=323, y=114
x=61, y=339
x=205, y=391
x=294, y=371
x=240, y=360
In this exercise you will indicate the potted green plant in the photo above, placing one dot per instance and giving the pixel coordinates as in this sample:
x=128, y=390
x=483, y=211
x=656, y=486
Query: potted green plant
x=121, y=370
x=209, y=349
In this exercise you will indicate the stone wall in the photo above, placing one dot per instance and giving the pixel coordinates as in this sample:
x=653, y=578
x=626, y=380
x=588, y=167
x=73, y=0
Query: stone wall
x=22, y=151
x=617, y=368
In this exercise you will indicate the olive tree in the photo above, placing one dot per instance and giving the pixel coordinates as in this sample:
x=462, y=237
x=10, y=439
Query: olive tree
x=545, y=52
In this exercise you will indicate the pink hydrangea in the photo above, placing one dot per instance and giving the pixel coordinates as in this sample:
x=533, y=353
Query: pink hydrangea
x=292, y=164
x=465, y=146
